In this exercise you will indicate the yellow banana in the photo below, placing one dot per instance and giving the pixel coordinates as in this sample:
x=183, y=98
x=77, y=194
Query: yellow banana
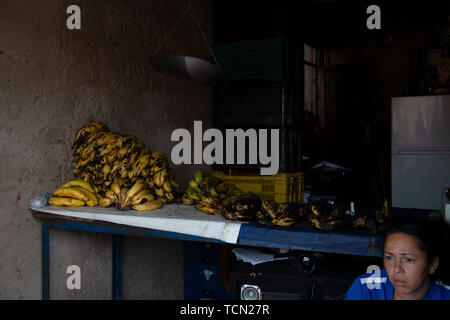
x=89, y=128
x=142, y=192
x=202, y=206
x=86, y=176
x=106, y=139
x=78, y=183
x=123, y=173
x=163, y=200
x=106, y=170
x=65, y=202
x=159, y=155
x=283, y=222
x=283, y=210
x=72, y=192
x=194, y=185
x=133, y=159
x=157, y=179
x=269, y=208
x=141, y=163
x=169, y=196
x=167, y=186
x=115, y=187
x=84, y=161
x=93, y=200
x=198, y=176
x=208, y=199
x=145, y=172
x=122, y=152
x=110, y=194
x=208, y=209
x=150, y=182
x=193, y=194
x=123, y=193
x=105, y=202
x=131, y=173
x=174, y=184
x=115, y=167
x=142, y=196
x=147, y=206
x=263, y=219
x=140, y=199
x=314, y=211
x=138, y=186
x=186, y=200
x=159, y=192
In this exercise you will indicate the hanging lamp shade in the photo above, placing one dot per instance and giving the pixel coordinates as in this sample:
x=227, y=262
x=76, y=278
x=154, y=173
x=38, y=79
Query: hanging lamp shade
x=190, y=68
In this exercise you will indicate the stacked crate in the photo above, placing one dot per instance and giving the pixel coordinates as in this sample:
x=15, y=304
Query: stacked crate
x=263, y=91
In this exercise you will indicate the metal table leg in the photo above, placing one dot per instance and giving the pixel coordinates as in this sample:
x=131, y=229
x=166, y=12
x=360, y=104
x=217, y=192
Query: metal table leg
x=117, y=266
x=45, y=262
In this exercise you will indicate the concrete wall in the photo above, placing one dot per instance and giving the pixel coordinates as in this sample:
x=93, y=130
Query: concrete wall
x=52, y=82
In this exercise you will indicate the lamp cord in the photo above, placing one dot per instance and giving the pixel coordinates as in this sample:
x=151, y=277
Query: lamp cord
x=203, y=33
x=175, y=26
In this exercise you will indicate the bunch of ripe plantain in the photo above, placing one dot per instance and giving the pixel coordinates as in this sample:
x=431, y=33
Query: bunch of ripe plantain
x=138, y=197
x=74, y=193
x=273, y=213
x=330, y=216
x=244, y=208
x=209, y=194
x=374, y=221
x=161, y=178
x=204, y=184
x=203, y=194
x=102, y=158
x=324, y=215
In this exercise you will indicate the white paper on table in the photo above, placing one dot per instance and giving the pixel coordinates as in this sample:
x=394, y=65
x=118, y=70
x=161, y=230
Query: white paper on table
x=254, y=256
x=178, y=218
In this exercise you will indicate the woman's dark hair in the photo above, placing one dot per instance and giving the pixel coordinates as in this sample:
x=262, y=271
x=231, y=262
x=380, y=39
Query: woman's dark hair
x=434, y=237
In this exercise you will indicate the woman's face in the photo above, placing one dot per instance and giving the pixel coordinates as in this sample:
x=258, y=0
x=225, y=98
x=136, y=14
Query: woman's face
x=407, y=265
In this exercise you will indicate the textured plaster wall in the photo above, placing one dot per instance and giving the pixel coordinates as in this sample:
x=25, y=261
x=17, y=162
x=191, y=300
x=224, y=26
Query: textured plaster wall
x=53, y=81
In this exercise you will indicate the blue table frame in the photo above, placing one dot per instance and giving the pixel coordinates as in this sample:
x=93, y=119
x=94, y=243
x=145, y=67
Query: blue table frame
x=299, y=237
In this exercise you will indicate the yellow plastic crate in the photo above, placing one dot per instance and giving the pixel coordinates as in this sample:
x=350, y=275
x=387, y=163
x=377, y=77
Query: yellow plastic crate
x=282, y=187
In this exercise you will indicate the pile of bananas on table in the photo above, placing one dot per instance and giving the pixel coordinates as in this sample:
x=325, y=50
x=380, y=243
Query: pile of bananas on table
x=107, y=160
x=244, y=208
x=209, y=194
x=74, y=193
x=77, y=193
x=330, y=216
x=323, y=215
x=114, y=170
x=375, y=221
x=138, y=197
x=273, y=213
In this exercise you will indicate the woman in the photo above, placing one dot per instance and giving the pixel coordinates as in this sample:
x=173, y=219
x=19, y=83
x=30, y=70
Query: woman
x=411, y=262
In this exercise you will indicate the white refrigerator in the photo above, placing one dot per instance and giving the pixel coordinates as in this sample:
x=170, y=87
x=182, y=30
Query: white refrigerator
x=420, y=141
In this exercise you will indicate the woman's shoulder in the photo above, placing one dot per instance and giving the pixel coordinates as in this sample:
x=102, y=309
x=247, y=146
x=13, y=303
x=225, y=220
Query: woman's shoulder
x=372, y=285
x=440, y=290
x=374, y=277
